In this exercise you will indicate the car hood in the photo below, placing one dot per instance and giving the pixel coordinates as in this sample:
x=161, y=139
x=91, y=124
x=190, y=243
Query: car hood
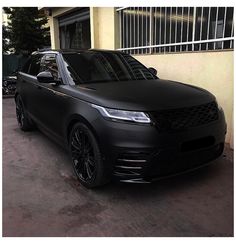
x=143, y=95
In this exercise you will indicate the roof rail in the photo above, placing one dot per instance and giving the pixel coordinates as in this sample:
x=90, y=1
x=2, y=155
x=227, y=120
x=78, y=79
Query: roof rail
x=44, y=49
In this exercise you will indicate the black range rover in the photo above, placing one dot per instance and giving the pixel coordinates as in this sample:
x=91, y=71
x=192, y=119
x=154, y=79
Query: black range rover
x=116, y=117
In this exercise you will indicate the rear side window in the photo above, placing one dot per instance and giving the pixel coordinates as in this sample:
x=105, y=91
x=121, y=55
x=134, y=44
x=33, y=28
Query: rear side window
x=35, y=65
x=25, y=68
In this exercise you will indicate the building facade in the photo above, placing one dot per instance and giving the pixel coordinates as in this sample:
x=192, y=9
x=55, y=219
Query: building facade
x=193, y=45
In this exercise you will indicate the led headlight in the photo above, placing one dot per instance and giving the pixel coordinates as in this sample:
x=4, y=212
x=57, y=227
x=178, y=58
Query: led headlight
x=139, y=117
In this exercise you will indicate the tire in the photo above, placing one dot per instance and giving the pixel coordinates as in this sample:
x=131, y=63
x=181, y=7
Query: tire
x=86, y=157
x=24, y=122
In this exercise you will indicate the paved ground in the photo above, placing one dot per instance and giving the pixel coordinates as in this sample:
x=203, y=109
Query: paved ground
x=42, y=198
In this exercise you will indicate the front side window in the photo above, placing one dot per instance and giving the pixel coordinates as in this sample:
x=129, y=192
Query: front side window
x=92, y=67
x=48, y=63
x=25, y=68
x=35, y=65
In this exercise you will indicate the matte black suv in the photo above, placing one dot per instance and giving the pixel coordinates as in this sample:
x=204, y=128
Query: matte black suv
x=116, y=117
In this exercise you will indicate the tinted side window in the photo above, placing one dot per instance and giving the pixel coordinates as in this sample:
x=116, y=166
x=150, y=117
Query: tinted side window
x=35, y=65
x=25, y=68
x=48, y=63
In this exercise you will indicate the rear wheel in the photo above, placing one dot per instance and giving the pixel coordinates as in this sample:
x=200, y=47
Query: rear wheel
x=86, y=157
x=23, y=120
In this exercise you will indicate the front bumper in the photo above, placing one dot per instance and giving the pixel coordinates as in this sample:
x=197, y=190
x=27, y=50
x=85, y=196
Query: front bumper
x=141, y=153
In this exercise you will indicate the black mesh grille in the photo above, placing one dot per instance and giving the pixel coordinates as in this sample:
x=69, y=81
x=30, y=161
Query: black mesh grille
x=177, y=119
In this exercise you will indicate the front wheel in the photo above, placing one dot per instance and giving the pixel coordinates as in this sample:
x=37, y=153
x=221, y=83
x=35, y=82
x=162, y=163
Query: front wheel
x=23, y=120
x=86, y=157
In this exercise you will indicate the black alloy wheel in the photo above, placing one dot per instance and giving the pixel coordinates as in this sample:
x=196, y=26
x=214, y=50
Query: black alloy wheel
x=24, y=122
x=86, y=157
x=82, y=155
x=20, y=112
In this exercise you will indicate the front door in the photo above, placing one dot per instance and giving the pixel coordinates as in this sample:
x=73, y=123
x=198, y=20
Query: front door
x=50, y=98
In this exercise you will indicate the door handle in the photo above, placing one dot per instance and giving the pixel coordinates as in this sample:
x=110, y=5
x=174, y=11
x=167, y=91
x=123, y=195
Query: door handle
x=39, y=87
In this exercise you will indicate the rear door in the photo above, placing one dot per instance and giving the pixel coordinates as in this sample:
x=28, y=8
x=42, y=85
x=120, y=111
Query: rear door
x=20, y=85
x=28, y=85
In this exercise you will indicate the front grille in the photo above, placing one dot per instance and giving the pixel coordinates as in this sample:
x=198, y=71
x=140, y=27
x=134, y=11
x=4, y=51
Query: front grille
x=177, y=119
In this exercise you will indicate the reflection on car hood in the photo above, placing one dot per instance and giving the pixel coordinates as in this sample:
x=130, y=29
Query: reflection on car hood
x=143, y=95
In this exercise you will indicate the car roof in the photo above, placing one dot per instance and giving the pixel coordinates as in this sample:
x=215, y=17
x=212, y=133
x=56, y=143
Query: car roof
x=63, y=51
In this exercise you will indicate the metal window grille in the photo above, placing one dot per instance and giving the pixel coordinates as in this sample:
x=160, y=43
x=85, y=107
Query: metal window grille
x=145, y=30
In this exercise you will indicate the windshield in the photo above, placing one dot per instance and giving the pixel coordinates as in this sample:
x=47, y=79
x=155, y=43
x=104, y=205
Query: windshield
x=92, y=67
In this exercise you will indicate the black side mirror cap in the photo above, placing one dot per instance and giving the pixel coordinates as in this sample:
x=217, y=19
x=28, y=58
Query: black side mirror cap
x=45, y=77
x=15, y=72
x=153, y=70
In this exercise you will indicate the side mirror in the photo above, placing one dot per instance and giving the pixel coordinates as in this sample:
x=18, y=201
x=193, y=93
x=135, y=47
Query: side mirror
x=15, y=72
x=45, y=77
x=153, y=70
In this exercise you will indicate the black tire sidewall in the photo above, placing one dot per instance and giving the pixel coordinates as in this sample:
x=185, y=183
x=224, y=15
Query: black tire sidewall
x=19, y=103
x=98, y=178
x=27, y=124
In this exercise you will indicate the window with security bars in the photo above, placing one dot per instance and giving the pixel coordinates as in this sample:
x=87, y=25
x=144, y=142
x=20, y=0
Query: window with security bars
x=145, y=30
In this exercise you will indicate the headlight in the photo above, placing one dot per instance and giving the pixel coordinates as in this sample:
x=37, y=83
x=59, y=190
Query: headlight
x=139, y=117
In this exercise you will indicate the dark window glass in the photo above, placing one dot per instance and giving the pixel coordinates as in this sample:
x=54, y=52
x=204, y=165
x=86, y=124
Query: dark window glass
x=173, y=28
x=220, y=27
x=212, y=26
x=156, y=28
x=229, y=27
x=125, y=28
x=190, y=31
x=185, y=27
x=205, y=22
x=25, y=68
x=135, y=29
x=167, y=28
x=178, y=31
x=162, y=34
x=35, y=65
x=48, y=63
x=135, y=24
x=76, y=35
x=197, y=27
x=86, y=67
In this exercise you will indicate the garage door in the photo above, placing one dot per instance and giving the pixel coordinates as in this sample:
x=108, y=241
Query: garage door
x=75, y=29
